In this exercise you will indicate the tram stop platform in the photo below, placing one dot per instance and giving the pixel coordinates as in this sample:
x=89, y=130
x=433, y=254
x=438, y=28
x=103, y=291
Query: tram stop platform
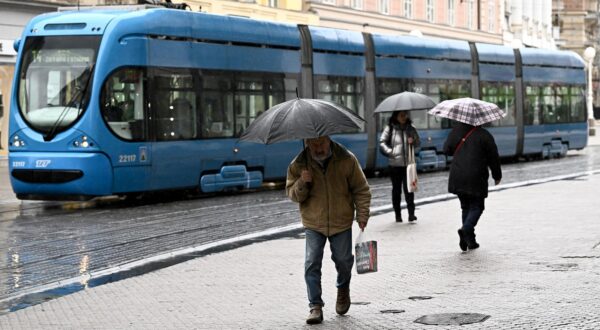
x=538, y=267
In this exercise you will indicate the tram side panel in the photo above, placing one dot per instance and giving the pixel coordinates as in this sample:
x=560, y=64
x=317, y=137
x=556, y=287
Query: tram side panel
x=554, y=112
x=338, y=76
x=497, y=85
x=441, y=70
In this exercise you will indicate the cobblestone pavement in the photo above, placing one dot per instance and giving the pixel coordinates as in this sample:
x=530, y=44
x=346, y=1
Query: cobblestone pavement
x=538, y=268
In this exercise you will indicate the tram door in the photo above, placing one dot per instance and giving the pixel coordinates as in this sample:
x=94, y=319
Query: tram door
x=174, y=124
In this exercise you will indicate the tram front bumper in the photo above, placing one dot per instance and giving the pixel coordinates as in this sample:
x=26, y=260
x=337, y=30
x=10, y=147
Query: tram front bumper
x=59, y=175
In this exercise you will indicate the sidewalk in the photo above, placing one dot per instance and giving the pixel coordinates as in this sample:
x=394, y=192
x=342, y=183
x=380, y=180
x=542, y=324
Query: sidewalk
x=538, y=267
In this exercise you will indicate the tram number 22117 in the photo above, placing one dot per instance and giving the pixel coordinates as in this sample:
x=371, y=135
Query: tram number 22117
x=127, y=158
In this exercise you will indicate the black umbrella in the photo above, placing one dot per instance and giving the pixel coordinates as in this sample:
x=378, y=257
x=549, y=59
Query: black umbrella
x=301, y=119
x=405, y=101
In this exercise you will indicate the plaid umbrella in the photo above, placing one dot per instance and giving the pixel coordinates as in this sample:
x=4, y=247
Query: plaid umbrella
x=469, y=111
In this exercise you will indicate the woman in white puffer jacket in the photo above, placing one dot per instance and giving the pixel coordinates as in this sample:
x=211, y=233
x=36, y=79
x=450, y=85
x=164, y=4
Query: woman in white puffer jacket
x=394, y=142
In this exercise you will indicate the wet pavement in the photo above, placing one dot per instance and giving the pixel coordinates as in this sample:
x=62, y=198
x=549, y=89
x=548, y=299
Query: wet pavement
x=537, y=268
x=64, y=247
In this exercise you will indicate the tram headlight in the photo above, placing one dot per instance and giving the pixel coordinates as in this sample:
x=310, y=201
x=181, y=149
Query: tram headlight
x=17, y=142
x=83, y=142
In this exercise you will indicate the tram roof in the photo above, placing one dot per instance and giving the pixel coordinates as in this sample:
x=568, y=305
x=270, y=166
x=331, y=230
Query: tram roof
x=495, y=53
x=556, y=58
x=421, y=47
x=336, y=40
x=168, y=23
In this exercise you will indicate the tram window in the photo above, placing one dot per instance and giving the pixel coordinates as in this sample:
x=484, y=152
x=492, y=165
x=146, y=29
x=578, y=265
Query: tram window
x=419, y=88
x=347, y=91
x=291, y=85
x=122, y=103
x=231, y=101
x=434, y=90
x=548, y=107
x=442, y=90
x=419, y=118
x=216, y=103
x=253, y=95
x=577, y=101
x=562, y=110
x=533, y=106
x=501, y=94
x=174, y=104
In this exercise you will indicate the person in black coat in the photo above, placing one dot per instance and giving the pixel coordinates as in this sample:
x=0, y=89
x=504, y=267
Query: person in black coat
x=469, y=174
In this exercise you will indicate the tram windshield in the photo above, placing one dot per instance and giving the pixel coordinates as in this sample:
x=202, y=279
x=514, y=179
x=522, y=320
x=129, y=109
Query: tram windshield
x=55, y=80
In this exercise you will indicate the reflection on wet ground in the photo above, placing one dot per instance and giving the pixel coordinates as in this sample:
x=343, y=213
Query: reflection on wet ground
x=43, y=244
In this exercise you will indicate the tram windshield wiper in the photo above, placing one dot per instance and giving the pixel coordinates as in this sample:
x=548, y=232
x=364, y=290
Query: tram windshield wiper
x=76, y=99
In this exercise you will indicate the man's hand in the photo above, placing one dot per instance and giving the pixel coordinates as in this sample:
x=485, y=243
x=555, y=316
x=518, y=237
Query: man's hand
x=362, y=225
x=409, y=140
x=306, y=176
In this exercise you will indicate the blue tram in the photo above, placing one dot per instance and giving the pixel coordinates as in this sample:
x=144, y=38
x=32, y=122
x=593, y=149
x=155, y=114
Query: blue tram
x=120, y=102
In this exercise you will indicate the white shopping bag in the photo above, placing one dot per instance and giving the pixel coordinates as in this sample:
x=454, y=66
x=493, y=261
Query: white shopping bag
x=412, y=181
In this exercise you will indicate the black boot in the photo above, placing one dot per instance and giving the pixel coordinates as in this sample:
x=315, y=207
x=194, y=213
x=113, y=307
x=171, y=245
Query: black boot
x=470, y=238
x=462, y=243
x=398, y=216
x=412, y=217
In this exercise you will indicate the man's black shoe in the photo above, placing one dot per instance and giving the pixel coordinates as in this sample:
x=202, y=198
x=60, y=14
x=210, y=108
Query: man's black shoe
x=412, y=218
x=398, y=219
x=463, y=242
x=473, y=246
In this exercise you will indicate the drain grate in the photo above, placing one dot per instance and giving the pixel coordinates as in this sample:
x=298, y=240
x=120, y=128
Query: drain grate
x=452, y=318
x=563, y=267
x=392, y=311
x=414, y=298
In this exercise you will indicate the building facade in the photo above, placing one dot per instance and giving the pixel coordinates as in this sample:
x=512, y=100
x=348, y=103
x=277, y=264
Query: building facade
x=529, y=24
x=471, y=20
x=577, y=26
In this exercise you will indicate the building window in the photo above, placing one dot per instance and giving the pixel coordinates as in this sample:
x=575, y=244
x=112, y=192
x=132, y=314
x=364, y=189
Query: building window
x=273, y=3
x=451, y=12
x=384, y=6
x=408, y=8
x=430, y=12
x=357, y=4
x=329, y=2
x=491, y=16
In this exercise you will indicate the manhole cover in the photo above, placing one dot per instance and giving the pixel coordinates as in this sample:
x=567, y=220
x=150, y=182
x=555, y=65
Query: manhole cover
x=562, y=267
x=392, y=311
x=452, y=318
x=419, y=297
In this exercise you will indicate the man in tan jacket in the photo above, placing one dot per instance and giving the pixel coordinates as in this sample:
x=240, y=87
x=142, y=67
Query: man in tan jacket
x=329, y=184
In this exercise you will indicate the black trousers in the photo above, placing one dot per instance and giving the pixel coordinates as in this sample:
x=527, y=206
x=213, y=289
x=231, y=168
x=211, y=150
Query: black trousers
x=398, y=176
x=472, y=207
